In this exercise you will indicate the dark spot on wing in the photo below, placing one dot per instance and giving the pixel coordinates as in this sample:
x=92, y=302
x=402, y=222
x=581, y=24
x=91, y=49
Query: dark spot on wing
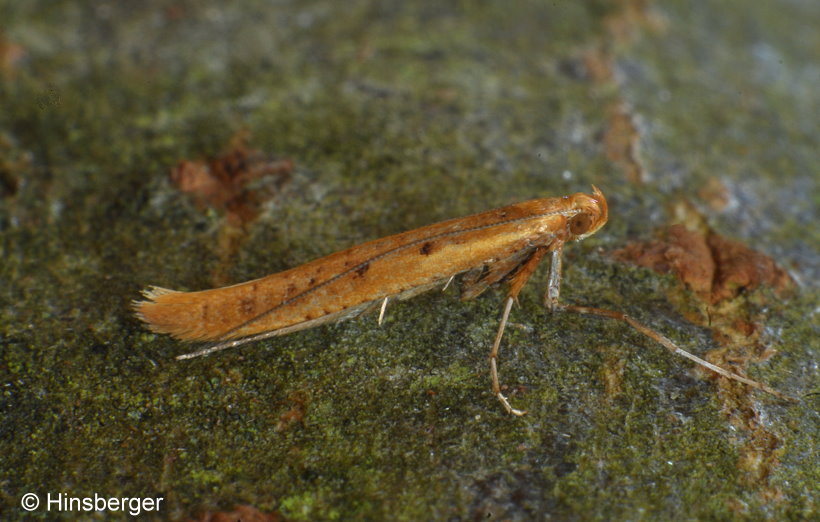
x=426, y=249
x=362, y=269
x=247, y=305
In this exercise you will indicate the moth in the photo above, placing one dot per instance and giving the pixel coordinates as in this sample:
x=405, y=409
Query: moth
x=504, y=245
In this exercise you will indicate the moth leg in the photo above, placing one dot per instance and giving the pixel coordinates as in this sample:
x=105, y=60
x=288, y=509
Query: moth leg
x=516, y=283
x=669, y=345
x=381, y=312
x=494, y=358
x=448, y=282
x=224, y=345
x=554, y=284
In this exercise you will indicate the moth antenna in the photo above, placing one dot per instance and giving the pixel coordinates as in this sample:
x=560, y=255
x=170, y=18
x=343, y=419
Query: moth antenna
x=668, y=344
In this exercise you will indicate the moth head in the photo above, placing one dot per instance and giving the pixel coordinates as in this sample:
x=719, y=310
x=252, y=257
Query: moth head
x=590, y=214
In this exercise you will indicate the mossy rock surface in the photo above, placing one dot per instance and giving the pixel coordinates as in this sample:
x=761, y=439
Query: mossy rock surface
x=381, y=117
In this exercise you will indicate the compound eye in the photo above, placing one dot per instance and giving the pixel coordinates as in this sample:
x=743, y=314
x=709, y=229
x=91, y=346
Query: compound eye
x=580, y=224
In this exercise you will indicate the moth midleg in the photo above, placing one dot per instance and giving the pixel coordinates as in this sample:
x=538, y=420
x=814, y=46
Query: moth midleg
x=554, y=282
x=516, y=283
x=671, y=346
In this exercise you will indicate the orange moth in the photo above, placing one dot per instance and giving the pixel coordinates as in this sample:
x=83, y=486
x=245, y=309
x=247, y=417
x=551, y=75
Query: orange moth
x=501, y=245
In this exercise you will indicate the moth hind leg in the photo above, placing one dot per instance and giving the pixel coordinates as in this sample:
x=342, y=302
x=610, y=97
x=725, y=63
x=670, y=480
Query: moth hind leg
x=494, y=359
x=517, y=281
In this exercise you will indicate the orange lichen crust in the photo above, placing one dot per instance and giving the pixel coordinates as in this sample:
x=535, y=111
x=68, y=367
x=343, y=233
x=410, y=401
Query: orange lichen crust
x=712, y=266
x=222, y=183
x=718, y=271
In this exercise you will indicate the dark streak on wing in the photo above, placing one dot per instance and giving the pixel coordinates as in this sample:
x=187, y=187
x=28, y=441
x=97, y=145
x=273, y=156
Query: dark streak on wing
x=341, y=315
x=364, y=267
x=500, y=267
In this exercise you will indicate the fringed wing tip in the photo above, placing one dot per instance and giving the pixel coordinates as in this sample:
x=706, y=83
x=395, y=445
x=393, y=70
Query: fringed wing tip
x=171, y=312
x=146, y=309
x=152, y=292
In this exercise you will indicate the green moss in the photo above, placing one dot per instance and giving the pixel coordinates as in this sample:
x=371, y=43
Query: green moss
x=396, y=115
